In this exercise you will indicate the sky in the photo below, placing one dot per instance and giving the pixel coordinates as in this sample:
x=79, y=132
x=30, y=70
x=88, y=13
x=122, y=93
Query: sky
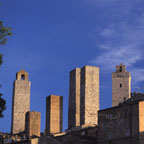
x=52, y=37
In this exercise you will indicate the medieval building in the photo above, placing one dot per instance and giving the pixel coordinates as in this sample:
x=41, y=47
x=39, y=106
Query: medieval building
x=21, y=101
x=83, y=97
x=123, y=123
x=121, y=85
x=32, y=124
x=54, y=114
x=74, y=98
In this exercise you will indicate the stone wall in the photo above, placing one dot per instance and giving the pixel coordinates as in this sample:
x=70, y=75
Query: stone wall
x=32, y=126
x=141, y=122
x=89, y=95
x=21, y=102
x=122, y=124
x=74, y=99
x=54, y=114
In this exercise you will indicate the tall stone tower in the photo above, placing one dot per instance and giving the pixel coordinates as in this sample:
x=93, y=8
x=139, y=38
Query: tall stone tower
x=74, y=98
x=121, y=85
x=89, y=96
x=54, y=114
x=32, y=124
x=21, y=101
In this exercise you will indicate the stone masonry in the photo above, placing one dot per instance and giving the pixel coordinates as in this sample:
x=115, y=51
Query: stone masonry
x=21, y=102
x=54, y=114
x=89, y=96
x=123, y=124
x=121, y=85
x=74, y=99
x=32, y=124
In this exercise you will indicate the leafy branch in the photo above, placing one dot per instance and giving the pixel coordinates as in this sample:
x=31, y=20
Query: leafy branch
x=4, y=33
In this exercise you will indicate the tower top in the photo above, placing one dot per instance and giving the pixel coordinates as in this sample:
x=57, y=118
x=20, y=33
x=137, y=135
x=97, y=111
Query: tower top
x=22, y=75
x=121, y=68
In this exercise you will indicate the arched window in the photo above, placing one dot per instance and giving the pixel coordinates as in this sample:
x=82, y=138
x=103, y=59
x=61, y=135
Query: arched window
x=120, y=85
x=120, y=69
x=22, y=77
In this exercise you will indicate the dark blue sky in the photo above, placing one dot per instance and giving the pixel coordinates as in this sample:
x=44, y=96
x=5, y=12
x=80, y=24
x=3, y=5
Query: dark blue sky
x=52, y=37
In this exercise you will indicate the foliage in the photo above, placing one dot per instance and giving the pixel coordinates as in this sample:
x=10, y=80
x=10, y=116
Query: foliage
x=1, y=59
x=4, y=33
x=2, y=105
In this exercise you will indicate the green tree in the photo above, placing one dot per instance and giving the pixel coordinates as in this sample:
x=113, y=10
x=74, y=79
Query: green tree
x=4, y=33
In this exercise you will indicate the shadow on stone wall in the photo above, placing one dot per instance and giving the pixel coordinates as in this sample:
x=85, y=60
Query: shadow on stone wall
x=47, y=140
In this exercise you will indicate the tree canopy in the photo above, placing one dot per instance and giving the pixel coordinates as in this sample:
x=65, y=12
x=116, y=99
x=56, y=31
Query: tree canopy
x=4, y=33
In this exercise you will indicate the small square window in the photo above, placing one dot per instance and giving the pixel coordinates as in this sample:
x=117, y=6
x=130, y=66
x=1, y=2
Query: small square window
x=109, y=116
x=109, y=135
x=127, y=132
x=126, y=113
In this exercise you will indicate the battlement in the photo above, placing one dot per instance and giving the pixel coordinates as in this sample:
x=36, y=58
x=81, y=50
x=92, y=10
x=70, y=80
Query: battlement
x=121, y=68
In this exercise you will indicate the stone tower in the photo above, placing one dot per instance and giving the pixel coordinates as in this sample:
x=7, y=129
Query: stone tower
x=21, y=101
x=54, y=114
x=121, y=85
x=89, y=96
x=74, y=98
x=32, y=124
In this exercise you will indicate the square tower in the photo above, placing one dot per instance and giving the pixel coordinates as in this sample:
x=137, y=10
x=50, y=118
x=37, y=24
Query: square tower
x=74, y=98
x=121, y=85
x=89, y=96
x=54, y=114
x=32, y=124
x=21, y=102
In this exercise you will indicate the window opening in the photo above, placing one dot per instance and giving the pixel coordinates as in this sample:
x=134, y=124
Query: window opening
x=120, y=69
x=127, y=132
x=109, y=135
x=109, y=116
x=126, y=113
x=22, y=77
